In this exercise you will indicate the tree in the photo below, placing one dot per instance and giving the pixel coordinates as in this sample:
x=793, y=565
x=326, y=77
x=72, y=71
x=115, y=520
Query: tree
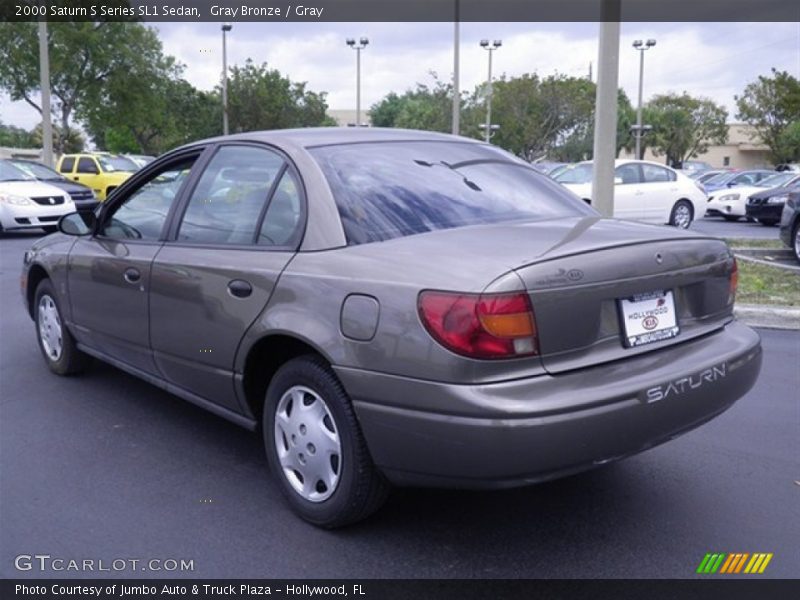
x=426, y=107
x=83, y=57
x=770, y=105
x=16, y=137
x=684, y=126
x=70, y=140
x=262, y=98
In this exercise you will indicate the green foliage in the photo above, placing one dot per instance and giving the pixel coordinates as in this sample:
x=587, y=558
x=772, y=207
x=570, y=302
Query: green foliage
x=262, y=98
x=70, y=140
x=16, y=137
x=771, y=105
x=425, y=107
x=684, y=126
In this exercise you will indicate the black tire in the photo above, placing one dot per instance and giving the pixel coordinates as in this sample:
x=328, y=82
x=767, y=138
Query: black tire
x=730, y=218
x=796, y=241
x=70, y=360
x=768, y=222
x=50, y=229
x=360, y=489
x=682, y=214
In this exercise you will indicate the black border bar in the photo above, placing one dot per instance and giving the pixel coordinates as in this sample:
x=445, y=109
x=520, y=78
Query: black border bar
x=402, y=10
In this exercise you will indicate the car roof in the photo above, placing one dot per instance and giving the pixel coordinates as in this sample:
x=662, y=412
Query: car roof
x=310, y=137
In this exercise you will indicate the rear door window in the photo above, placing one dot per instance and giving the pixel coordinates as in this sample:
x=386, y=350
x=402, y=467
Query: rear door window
x=656, y=174
x=86, y=164
x=67, y=164
x=628, y=174
x=226, y=205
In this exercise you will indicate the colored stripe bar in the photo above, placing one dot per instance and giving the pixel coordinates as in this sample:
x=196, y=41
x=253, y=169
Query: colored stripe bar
x=717, y=563
x=728, y=563
x=751, y=563
x=765, y=563
x=703, y=563
x=741, y=562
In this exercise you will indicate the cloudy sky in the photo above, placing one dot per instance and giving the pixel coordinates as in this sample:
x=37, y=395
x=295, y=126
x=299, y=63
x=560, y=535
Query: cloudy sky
x=715, y=60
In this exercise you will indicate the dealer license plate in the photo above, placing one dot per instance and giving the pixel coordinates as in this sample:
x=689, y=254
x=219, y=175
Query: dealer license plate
x=648, y=318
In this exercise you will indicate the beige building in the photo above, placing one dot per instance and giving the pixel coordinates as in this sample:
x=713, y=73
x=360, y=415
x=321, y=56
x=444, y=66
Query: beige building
x=347, y=118
x=29, y=153
x=741, y=151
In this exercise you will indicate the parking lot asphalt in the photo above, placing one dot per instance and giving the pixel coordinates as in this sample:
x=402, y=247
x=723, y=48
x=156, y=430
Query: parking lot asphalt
x=105, y=467
x=738, y=229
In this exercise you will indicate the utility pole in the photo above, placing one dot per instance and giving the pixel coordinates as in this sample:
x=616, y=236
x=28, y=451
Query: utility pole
x=605, y=120
x=456, y=88
x=225, y=29
x=44, y=83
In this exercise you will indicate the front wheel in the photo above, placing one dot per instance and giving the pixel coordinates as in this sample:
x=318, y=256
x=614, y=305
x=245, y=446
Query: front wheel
x=681, y=215
x=315, y=447
x=55, y=341
x=797, y=241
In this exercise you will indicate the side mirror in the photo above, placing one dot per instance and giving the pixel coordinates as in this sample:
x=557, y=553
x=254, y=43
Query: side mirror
x=617, y=180
x=78, y=223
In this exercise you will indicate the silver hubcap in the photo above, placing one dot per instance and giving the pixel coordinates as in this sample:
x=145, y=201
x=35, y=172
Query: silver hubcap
x=50, y=328
x=683, y=216
x=308, y=444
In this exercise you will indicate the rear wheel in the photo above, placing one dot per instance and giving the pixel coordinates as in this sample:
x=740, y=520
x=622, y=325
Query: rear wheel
x=797, y=241
x=315, y=447
x=681, y=215
x=55, y=341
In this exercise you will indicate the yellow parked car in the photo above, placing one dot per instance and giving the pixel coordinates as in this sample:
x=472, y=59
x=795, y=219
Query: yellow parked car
x=100, y=171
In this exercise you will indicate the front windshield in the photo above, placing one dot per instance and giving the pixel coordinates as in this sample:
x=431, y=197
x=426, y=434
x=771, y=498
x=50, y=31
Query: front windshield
x=777, y=180
x=36, y=170
x=116, y=163
x=9, y=172
x=580, y=173
x=721, y=178
x=388, y=190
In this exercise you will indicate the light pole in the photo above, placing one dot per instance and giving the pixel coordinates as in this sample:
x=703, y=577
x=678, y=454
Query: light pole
x=362, y=43
x=456, y=88
x=44, y=75
x=641, y=47
x=490, y=48
x=226, y=27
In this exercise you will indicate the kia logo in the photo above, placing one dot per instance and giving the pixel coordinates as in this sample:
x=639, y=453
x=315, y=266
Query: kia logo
x=650, y=323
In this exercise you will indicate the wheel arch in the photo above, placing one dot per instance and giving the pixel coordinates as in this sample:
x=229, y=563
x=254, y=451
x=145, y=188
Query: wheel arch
x=264, y=357
x=36, y=274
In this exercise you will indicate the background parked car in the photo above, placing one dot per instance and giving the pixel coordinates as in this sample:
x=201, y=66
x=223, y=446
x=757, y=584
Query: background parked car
x=731, y=203
x=102, y=172
x=26, y=203
x=703, y=176
x=729, y=180
x=794, y=167
x=695, y=166
x=140, y=159
x=81, y=195
x=766, y=206
x=644, y=191
x=790, y=223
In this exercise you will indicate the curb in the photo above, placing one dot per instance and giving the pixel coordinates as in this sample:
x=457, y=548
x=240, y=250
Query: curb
x=769, y=317
x=751, y=254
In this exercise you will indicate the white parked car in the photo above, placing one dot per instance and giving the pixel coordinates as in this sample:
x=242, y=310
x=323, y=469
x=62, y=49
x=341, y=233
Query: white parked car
x=643, y=191
x=26, y=203
x=731, y=203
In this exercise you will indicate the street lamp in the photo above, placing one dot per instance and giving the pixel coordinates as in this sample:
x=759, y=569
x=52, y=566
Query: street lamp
x=226, y=27
x=490, y=48
x=362, y=43
x=641, y=47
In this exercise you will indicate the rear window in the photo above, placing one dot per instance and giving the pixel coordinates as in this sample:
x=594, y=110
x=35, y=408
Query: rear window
x=390, y=190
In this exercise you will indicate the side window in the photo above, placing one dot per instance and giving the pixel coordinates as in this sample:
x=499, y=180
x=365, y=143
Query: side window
x=142, y=215
x=67, y=164
x=655, y=174
x=226, y=204
x=628, y=173
x=282, y=219
x=86, y=164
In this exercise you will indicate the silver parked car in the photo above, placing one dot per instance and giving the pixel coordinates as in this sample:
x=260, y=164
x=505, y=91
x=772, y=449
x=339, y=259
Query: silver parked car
x=394, y=307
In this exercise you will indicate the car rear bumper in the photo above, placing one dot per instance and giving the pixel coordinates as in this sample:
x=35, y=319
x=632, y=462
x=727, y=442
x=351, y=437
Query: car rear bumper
x=524, y=431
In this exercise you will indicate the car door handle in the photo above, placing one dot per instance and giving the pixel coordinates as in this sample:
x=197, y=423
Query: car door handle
x=240, y=288
x=132, y=275
x=77, y=178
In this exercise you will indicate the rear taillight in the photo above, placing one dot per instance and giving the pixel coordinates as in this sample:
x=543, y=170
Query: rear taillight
x=480, y=325
x=734, y=282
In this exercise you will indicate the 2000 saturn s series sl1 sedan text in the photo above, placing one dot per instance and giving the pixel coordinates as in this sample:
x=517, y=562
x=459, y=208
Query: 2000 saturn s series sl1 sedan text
x=394, y=307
